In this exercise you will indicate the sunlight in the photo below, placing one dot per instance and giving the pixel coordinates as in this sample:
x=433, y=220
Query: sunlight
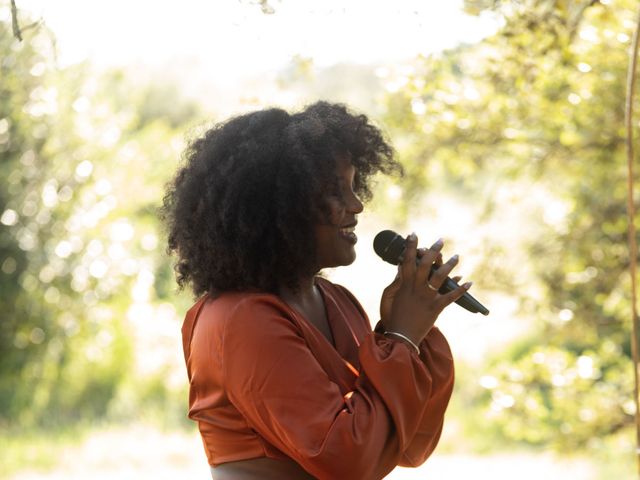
x=512, y=154
x=246, y=41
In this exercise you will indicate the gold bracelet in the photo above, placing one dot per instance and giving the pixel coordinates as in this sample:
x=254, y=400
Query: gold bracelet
x=405, y=338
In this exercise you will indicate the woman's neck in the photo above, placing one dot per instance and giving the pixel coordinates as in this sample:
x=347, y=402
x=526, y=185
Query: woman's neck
x=305, y=291
x=308, y=301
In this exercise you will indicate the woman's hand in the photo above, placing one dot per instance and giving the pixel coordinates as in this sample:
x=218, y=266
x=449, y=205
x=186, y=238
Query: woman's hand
x=388, y=294
x=411, y=304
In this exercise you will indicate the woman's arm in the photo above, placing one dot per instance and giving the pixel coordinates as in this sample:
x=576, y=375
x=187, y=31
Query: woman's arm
x=437, y=357
x=274, y=380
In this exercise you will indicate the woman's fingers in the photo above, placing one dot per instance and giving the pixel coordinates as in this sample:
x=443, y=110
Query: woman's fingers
x=454, y=295
x=416, y=304
x=426, y=263
x=409, y=258
x=418, y=264
x=439, y=276
x=422, y=251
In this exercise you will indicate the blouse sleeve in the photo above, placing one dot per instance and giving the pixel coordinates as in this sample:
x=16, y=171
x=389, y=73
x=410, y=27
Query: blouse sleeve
x=437, y=358
x=273, y=379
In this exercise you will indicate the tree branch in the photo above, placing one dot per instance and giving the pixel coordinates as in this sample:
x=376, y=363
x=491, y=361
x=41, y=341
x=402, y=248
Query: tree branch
x=14, y=21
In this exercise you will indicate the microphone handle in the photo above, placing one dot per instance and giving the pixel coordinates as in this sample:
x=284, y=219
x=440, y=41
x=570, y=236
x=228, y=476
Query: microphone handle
x=466, y=301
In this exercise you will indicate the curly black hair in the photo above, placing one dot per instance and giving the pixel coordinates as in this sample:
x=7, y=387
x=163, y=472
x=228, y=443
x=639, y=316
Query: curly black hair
x=240, y=212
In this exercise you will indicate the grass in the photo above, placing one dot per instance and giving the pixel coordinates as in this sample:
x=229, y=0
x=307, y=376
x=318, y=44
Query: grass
x=37, y=449
x=121, y=447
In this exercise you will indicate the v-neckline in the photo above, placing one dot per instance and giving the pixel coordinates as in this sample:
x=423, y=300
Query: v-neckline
x=327, y=313
x=343, y=334
x=345, y=342
x=327, y=317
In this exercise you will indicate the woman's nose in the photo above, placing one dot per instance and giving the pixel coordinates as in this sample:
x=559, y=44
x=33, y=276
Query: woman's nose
x=354, y=205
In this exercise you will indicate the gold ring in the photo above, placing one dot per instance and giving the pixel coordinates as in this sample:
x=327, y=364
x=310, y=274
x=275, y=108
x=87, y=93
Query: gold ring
x=432, y=287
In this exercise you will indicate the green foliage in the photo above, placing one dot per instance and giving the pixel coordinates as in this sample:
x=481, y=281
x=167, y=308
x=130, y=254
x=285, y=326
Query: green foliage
x=538, y=107
x=541, y=103
x=78, y=251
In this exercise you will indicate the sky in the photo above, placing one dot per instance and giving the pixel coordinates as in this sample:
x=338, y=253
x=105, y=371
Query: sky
x=237, y=38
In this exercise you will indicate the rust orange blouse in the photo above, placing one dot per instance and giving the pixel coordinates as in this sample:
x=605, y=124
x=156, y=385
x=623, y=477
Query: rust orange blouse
x=264, y=382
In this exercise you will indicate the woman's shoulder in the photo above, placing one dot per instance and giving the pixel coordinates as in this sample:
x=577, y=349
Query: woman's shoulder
x=231, y=304
x=337, y=290
x=235, y=318
x=328, y=286
x=342, y=296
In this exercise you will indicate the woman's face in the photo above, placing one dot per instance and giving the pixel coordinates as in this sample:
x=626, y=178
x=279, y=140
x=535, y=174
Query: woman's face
x=335, y=238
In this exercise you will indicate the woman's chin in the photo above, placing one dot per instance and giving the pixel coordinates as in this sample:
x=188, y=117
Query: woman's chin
x=348, y=259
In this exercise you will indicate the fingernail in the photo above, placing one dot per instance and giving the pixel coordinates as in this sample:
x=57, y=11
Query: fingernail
x=467, y=285
x=455, y=257
x=439, y=243
x=412, y=237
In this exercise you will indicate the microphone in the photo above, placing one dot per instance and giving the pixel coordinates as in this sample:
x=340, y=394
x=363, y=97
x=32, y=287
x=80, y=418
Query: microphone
x=390, y=247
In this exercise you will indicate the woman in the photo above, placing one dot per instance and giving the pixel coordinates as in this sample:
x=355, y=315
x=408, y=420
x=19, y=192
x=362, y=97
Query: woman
x=287, y=379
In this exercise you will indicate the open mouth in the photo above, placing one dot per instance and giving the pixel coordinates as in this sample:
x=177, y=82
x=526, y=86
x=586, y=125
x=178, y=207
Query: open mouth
x=348, y=233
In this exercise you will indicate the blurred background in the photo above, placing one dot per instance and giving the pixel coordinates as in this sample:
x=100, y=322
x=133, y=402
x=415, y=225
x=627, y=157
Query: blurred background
x=509, y=119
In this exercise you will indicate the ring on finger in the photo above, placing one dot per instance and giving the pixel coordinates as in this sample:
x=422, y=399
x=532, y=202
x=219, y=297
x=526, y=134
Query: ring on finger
x=432, y=287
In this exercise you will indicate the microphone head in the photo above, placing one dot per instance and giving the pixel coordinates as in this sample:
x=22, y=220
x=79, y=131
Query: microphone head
x=389, y=246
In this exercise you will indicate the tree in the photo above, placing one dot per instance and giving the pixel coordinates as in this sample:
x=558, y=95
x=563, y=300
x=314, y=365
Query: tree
x=540, y=105
x=83, y=160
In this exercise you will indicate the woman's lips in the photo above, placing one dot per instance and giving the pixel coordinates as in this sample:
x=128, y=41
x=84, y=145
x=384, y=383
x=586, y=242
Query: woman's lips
x=348, y=234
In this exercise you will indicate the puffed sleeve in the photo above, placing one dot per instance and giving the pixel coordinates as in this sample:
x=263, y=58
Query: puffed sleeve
x=437, y=358
x=273, y=379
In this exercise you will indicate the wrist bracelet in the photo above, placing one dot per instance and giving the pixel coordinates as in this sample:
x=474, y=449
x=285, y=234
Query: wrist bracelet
x=405, y=338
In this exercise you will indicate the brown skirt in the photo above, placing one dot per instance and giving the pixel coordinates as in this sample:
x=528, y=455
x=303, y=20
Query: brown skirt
x=260, y=469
